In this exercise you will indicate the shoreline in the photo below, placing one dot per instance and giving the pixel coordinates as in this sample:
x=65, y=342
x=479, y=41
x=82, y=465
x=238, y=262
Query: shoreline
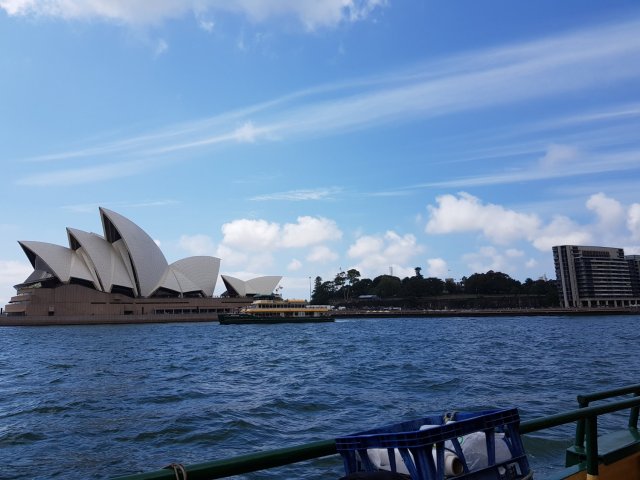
x=513, y=312
x=47, y=321
x=35, y=321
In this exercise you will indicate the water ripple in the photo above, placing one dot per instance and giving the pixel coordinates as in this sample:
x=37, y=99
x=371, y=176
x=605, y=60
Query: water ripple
x=100, y=401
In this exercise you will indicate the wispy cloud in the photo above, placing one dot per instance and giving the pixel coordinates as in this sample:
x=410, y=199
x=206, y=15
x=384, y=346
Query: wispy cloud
x=311, y=15
x=161, y=47
x=74, y=176
x=300, y=195
x=93, y=207
x=586, y=59
x=552, y=164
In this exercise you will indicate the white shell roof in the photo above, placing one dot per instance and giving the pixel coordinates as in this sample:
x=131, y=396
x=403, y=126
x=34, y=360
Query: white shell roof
x=126, y=256
x=148, y=260
x=203, y=271
x=61, y=261
x=256, y=286
x=235, y=284
x=263, y=285
x=108, y=265
x=176, y=281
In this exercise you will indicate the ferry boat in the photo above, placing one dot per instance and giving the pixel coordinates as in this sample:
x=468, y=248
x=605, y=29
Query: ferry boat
x=614, y=455
x=278, y=310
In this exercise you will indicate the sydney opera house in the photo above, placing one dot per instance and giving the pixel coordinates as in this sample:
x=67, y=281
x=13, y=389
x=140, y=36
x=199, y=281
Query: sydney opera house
x=122, y=276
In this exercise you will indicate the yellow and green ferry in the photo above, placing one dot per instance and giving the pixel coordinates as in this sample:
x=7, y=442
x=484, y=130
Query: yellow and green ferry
x=278, y=310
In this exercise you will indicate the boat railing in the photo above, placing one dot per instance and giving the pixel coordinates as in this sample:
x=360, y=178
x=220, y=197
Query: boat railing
x=585, y=400
x=585, y=415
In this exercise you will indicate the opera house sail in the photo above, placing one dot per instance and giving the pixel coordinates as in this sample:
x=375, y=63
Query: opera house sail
x=122, y=276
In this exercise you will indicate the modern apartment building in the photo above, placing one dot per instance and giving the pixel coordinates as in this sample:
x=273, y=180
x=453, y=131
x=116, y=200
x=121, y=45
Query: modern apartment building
x=590, y=276
x=634, y=270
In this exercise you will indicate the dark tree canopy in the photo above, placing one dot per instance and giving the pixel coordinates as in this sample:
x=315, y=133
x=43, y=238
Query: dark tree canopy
x=491, y=283
x=349, y=286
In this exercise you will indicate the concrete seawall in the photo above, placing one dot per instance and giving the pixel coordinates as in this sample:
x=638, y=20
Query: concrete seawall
x=529, y=312
x=41, y=320
x=14, y=321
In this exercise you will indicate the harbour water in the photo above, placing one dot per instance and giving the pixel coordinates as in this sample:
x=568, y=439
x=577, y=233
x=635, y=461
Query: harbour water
x=96, y=402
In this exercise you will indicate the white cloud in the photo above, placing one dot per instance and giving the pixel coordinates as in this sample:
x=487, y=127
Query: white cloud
x=561, y=231
x=294, y=265
x=632, y=250
x=251, y=235
x=365, y=246
x=399, y=271
x=633, y=220
x=11, y=273
x=489, y=258
x=253, y=243
x=120, y=11
x=263, y=262
x=437, y=267
x=295, y=287
x=299, y=195
x=205, y=23
x=260, y=262
x=400, y=248
x=610, y=212
x=247, y=133
x=93, y=207
x=615, y=224
x=231, y=257
x=82, y=175
x=557, y=161
x=558, y=156
x=198, y=244
x=375, y=254
x=322, y=254
x=311, y=14
x=466, y=213
x=161, y=47
x=309, y=231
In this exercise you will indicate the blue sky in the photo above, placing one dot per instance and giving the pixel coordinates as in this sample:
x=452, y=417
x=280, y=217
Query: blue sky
x=298, y=138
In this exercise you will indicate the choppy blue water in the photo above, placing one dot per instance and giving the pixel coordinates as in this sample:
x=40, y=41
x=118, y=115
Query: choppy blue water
x=100, y=401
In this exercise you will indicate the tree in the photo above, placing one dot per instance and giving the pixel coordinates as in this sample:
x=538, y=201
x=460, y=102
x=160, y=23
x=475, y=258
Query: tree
x=450, y=286
x=432, y=286
x=362, y=287
x=412, y=287
x=387, y=286
x=322, y=292
x=491, y=283
x=353, y=276
x=418, y=270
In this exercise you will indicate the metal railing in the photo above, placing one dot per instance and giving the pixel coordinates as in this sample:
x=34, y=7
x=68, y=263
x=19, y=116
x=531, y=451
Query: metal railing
x=587, y=429
x=585, y=400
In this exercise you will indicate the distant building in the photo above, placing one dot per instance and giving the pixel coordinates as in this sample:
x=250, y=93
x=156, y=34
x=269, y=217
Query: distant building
x=589, y=276
x=122, y=276
x=634, y=270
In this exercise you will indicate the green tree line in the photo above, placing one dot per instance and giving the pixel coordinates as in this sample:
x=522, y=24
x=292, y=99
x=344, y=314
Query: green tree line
x=349, y=286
